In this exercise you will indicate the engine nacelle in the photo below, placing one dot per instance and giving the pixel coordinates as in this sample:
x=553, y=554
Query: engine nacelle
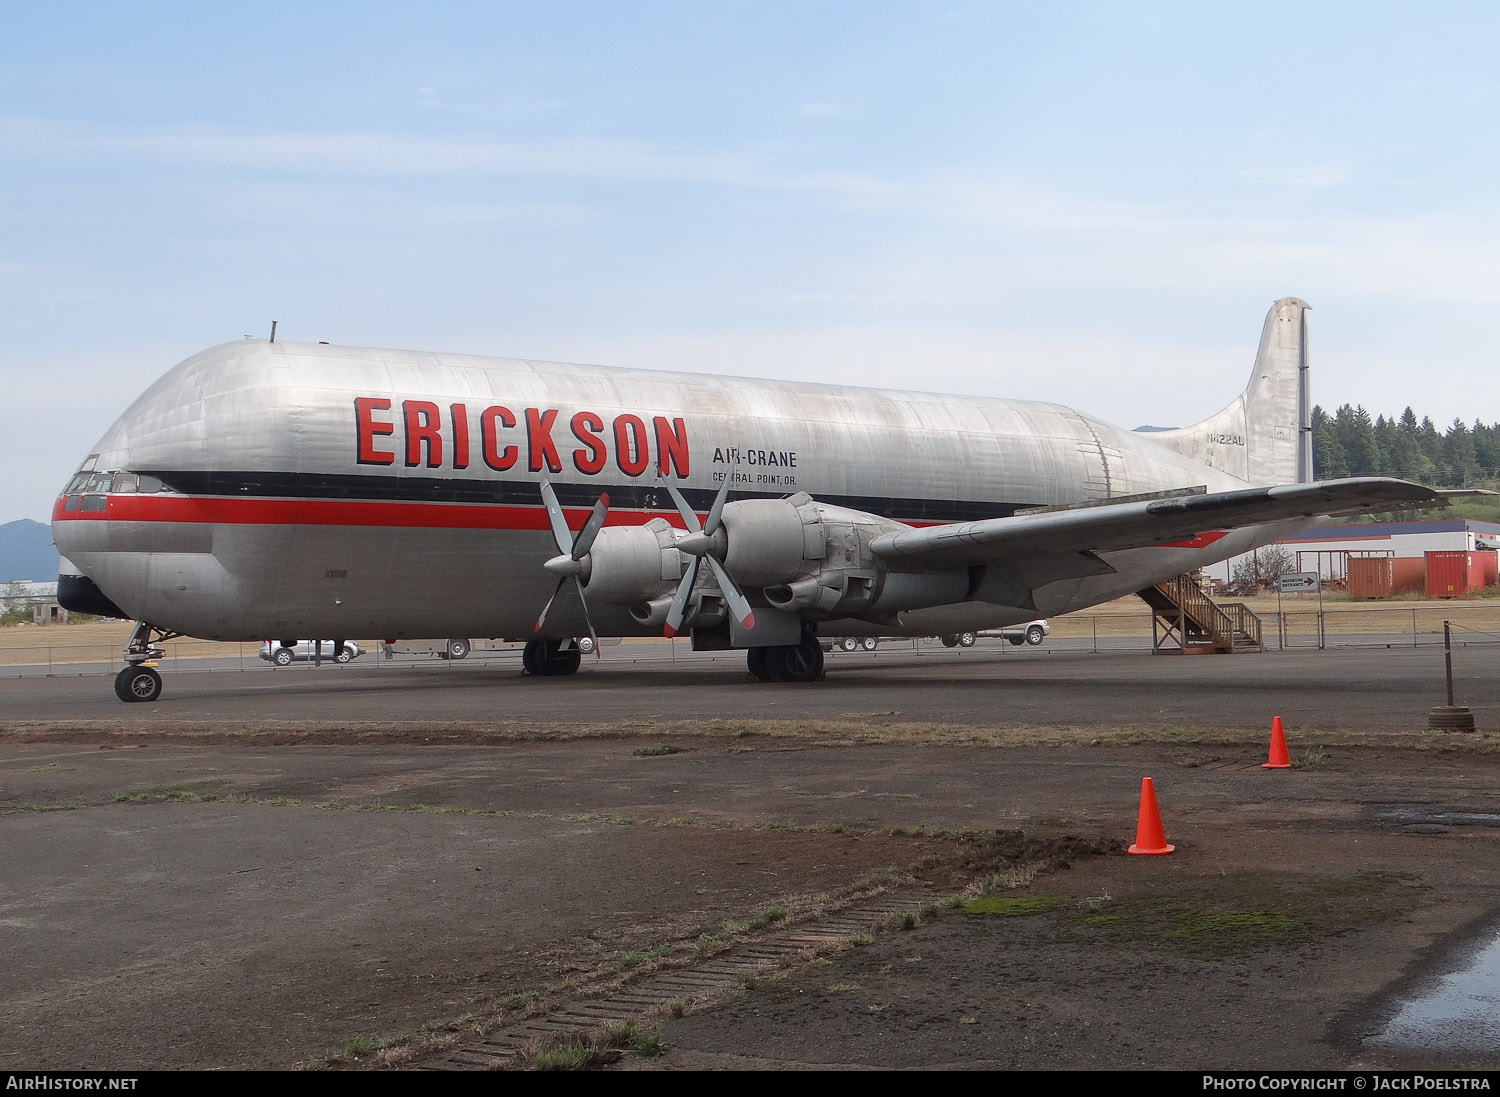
x=772, y=540
x=632, y=564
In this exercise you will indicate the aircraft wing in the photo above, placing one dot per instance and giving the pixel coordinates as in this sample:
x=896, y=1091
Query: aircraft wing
x=1107, y=527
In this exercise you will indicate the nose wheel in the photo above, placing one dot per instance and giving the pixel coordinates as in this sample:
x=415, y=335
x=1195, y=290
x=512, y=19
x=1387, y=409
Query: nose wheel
x=138, y=683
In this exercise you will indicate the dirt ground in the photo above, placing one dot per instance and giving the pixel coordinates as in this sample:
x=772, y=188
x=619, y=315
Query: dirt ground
x=190, y=905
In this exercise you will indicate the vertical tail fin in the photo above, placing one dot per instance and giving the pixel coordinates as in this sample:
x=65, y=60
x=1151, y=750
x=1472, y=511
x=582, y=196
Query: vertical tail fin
x=1265, y=436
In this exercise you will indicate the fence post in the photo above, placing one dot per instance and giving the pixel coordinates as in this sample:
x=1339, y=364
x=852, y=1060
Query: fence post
x=1414, y=626
x=1094, y=620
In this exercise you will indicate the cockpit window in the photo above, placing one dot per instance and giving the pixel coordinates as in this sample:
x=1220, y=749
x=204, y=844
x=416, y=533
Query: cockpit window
x=126, y=482
x=149, y=485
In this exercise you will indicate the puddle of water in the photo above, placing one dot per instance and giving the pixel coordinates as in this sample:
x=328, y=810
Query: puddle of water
x=1458, y=1013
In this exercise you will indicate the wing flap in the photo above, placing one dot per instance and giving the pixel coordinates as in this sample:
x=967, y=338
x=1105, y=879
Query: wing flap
x=1137, y=524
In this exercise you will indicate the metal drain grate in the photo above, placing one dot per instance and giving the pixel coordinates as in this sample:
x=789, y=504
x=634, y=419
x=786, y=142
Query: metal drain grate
x=702, y=983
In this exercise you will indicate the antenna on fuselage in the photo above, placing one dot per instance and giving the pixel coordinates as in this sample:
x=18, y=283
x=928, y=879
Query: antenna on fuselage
x=273, y=331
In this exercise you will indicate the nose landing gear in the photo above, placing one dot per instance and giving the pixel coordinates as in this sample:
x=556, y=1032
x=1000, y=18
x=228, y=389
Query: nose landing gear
x=139, y=681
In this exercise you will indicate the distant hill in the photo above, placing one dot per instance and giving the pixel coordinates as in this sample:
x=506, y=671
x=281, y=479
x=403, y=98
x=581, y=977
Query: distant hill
x=26, y=551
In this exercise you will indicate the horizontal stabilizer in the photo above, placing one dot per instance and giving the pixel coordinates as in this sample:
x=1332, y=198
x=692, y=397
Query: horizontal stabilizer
x=1139, y=524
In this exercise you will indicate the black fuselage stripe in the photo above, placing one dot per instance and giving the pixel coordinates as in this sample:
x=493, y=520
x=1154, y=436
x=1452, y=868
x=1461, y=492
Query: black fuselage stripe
x=648, y=497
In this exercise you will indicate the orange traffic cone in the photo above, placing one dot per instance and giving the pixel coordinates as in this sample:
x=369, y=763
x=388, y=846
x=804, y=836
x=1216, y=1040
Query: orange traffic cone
x=1278, y=758
x=1149, y=836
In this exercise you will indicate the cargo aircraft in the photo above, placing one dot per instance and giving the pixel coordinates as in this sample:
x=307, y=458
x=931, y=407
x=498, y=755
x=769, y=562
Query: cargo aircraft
x=274, y=489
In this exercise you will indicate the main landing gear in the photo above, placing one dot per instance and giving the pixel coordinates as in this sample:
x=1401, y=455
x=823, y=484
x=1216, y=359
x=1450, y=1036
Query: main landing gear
x=800, y=662
x=549, y=657
x=139, y=681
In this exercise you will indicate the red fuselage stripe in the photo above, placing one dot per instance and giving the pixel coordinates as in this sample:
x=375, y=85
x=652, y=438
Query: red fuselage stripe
x=330, y=512
x=214, y=510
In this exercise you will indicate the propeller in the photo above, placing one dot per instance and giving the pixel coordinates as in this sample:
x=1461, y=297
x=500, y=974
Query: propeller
x=571, y=562
x=698, y=544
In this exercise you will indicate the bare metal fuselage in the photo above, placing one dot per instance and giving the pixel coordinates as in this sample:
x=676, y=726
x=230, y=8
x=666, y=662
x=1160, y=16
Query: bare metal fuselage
x=312, y=490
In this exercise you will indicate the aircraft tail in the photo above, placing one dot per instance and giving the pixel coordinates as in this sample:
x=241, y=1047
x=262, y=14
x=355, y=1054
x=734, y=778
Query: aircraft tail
x=1265, y=436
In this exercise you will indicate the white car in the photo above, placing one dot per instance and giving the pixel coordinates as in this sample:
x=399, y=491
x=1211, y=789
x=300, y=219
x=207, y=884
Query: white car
x=273, y=652
x=1032, y=632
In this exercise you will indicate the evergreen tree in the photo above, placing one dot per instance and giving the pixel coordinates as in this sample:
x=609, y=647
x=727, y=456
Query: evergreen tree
x=1458, y=447
x=1329, y=462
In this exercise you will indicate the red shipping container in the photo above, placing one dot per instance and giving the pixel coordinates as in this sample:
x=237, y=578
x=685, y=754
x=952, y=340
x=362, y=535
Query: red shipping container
x=1383, y=576
x=1370, y=577
x=1408, y=573
x=1489, y=567
x=1454, y=574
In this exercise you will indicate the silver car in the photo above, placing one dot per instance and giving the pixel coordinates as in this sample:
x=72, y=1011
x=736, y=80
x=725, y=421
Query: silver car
x=273, y=652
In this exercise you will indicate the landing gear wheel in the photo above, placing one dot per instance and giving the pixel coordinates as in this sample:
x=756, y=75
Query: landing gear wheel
x=1035, y=635
x=283, y=657
x=457, y=649
x=802, y=662
x=561, y=660
x=549, y=657
x=966, y=639
x=950, y=641
x=755, y=662
x=138, y=684
x=869, y=643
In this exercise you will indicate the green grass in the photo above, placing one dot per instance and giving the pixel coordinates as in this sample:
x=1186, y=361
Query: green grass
x=571, y=1054
x=1235, y=930
x=362, y=1044
x=1011, y=906
x=519, y=1000
x=632, y=960
x=196, y=791
x=656, y=751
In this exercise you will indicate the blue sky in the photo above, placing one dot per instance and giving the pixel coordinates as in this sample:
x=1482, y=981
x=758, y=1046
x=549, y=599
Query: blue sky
x=1088, y=203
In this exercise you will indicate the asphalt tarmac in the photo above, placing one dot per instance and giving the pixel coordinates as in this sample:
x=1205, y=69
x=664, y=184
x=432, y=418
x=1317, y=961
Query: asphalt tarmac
x=1388, y=688
x=181, y=891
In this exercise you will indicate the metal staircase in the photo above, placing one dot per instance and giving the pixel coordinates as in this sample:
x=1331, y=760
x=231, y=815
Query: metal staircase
x=1186, y=621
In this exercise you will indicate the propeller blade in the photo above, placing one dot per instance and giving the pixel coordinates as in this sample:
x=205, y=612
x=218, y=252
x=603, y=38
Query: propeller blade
x=582, y=601
x=585, y=539
x=680, y=599
x=542, y=617
x=560, y=531
x=571, y=550
x=689, y=518
x=732, y=595
x=716, y=513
